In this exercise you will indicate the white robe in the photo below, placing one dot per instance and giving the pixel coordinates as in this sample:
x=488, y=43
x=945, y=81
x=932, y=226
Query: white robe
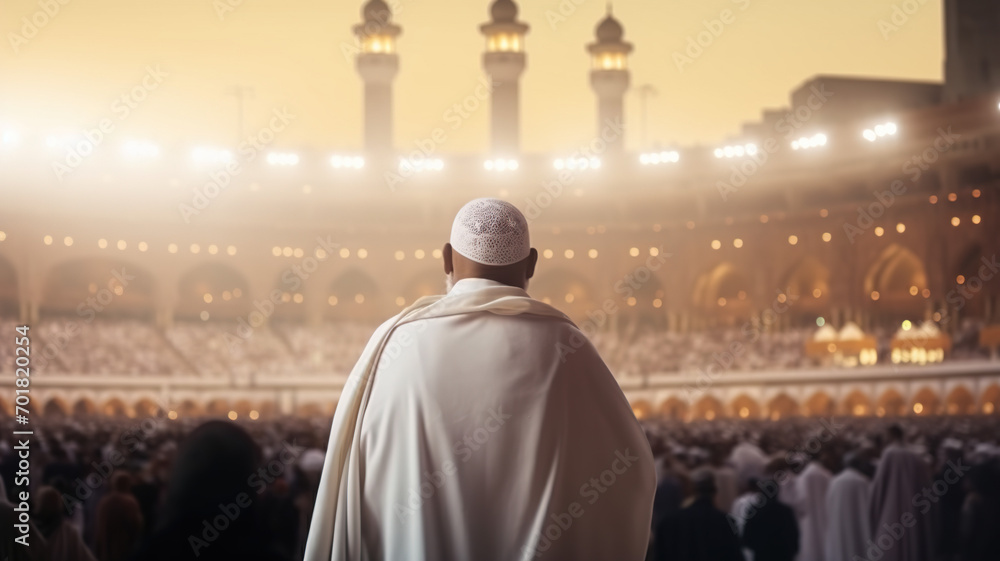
x=810, y=494
x=848, y=522
x=490, y=430
x=897, y=492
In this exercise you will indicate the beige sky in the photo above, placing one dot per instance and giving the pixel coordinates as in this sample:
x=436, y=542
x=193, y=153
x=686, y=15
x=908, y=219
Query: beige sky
x=70, y=73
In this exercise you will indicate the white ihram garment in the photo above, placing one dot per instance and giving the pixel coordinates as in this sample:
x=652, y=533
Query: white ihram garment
x=810, y=494
x=849, y=524
x=474, y=440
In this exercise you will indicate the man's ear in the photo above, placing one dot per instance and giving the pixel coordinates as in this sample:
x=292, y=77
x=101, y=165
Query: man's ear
x=529, y=270
x=449, y=267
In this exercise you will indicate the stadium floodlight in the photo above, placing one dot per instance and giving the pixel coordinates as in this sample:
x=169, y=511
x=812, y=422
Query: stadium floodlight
x=736, y=151
x=347, y=162
x=577, y=163
x=208, y=155
x=501, y=164
x=879, y=131
x=808, y=142
x=419, y=165
x=283, y=159
x=656, y=158
x=140, y=149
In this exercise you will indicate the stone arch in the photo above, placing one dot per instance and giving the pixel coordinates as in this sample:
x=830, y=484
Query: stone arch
x=9, y=288
x=960, y=401
x=424, y=283
x=218, y=407
x=567, y=290
x=820, y=404
x=744, y=407
x=989, y=401
x=190, y=408
x=85, y=406
x=709, y=408
x=899, y=278
x=725, y=290
x=808, y=282
x=116, y=407
x=146, y=407
x=674, y=409
x=117, y=287
x=56, y=407
x=353, y=295
x=891, y=404
x=782, y=406
x=858, y=404
x=214, y=288
x=925, y=402
x=642, y=409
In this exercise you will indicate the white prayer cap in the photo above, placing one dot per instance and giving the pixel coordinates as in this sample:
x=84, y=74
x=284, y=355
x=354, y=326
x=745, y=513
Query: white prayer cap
x=490, y=232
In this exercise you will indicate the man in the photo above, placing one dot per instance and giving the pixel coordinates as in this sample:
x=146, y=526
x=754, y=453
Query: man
x=848, y=529
x=770, y=530
x=897, y=489
x=483, y=425
x=810, y=491
x=700, y=531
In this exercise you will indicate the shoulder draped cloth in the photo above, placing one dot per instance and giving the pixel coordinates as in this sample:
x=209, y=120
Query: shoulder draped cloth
x=335, y=530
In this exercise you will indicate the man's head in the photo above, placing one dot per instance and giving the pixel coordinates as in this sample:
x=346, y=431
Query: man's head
x=489, y=240
x=895, y=432
x=703, y=480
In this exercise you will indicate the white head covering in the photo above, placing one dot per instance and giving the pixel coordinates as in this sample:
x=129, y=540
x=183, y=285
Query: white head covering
x=491, y=232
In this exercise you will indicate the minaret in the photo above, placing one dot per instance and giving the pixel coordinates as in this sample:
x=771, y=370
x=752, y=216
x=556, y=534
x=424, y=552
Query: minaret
x=378, y=64
x=609, y=77
x=504, y=61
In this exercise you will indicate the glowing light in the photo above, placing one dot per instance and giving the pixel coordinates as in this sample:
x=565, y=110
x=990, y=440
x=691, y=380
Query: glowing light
x=880, y=131
x=820, y=322
x=332, y=300
x=976, y=219
x=736, y=151
x=568, y=254
x=875, y=295
x=793, y=239
x=657, y=158
x=68, y=241
x=805, y=143
x=631, y=301
x=207, y=155
x=400, y=255
x=254, y=415
x=171, y=248
x=207, y=298
x=592, y=254
x=347, y=162
x=420, y=165
x=344, y=253
x=359, y=298
x=47, y=240
x=955, y=221
x=879, y=231
x=907, y=325
x=547, y=254
x=918, y=408
x=737, y=243
x=501, y=164
x=716, y=244
x=827, y=236
x=233, y=415
x=900, y=227
x=419, y=254
x=284, y=159
x=204, y=315
x=575, y=164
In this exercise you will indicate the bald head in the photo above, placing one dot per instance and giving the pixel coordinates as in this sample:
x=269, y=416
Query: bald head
x=490, y=240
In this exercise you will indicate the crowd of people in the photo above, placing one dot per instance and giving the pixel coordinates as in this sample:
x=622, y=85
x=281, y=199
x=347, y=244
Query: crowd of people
x=232, y=349
x=807, y=489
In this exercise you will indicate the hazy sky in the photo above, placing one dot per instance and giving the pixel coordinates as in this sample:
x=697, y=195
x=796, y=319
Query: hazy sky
x=70, y=73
